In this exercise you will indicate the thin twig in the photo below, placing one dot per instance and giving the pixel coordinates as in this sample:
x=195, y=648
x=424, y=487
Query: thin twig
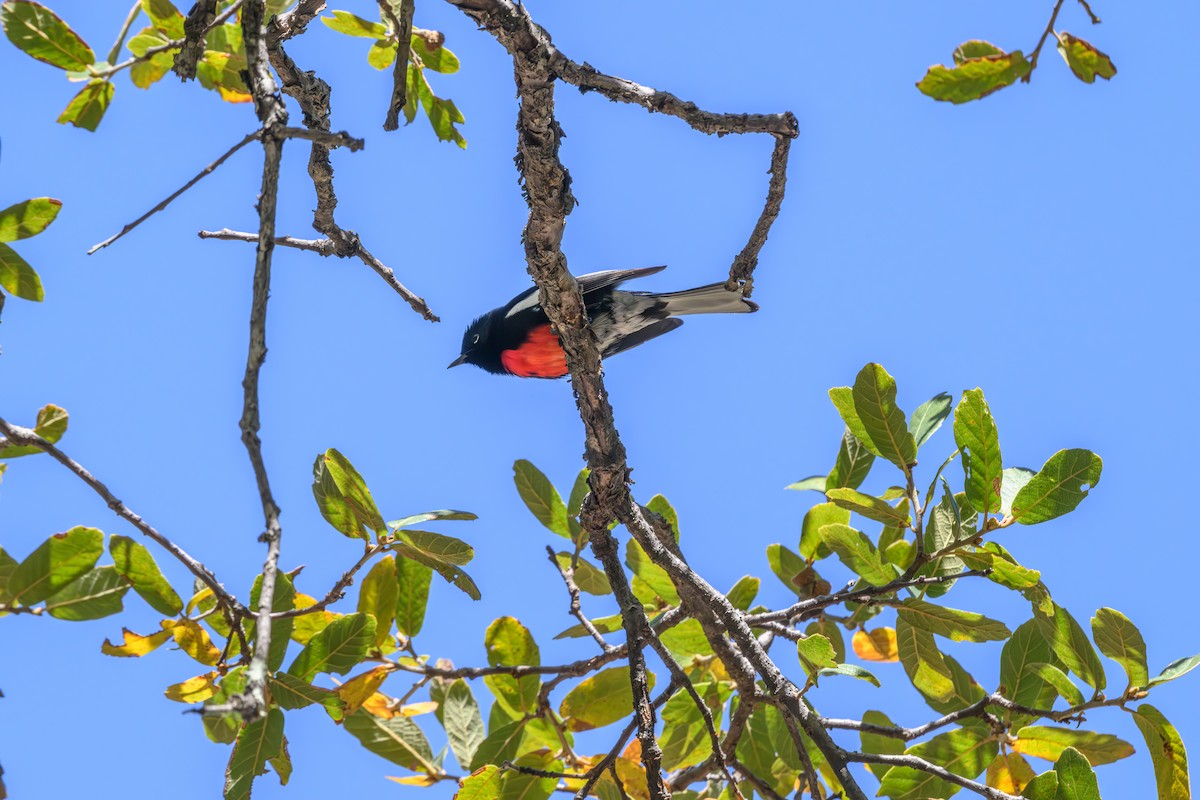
x=272, y=115
x=921, y=764
x=1037, y=51
x=576, y=607
x=402, y=25
x=741, y=272
x=339, y=589
x=324, y=247
x=1091, y=14
x=250, y=137
x=26, y=437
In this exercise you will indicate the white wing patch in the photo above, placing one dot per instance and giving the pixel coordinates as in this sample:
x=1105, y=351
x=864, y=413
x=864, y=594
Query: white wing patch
x=529, y=303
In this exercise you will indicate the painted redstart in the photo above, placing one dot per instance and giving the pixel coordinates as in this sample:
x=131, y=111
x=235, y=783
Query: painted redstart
x=516, y=339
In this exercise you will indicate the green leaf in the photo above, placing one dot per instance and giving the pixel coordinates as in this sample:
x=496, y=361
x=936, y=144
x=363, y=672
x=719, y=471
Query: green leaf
x=814, y=483
x=1060, y=681
x=378, y=597
x=54, y=565
x=27, y=219
x=444, y=115
x=482, y=784
x=874, y=396
x=1019, y=683
x=1014, y=481
x=853, y=463
x=870, y=507
x=39, y=32
x=97, y=594
x=812, y=545
x=1005, y=571
x=685, y=741
x=578, y=492
x=1076, y=780
x=1177, y=668
x=291, y=693
x=655, y=576
x=337, y=649
x=439, y=515
x=929, y=416
x=1043, y=787
x=1120, y=640
x=602, y=699
x=51, y=425
x=794, y=571
x=283, y=599
x=1058, y=487
x=855, y=550
x=1050, y=743
x=975, y=78
x=541, y=497
x=222, y=72
x=412, y=580
x=451, y=573
x=853, y=671
x=459, y=714
x=843, y=400
x=975, y=48
x=816, y=654
x=257, y=743
x=742, y=594
x=966, y=751
x=878, y=744
x=354, y=491
x=333, y=506
x=398, y=739
x=955, y=625
x=501, y=744
x=1166, y=751
x=382, y=54
x=661, y=506
x=944, y=531
x=440, y=548
x=165, y=17
x=17, y=277
x=510, y=644
x=588, y=577
x=1071, y=645
x=978, y=440
x=923, y=662
x=87, y=108
x=224, y=728
x=755, y=749
x=353, y=25
x=436, y=58
x=7, y=565
x=1084, y=59
x=137, y=566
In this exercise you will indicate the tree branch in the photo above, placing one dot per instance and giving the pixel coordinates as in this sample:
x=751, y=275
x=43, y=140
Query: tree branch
x=273, y=116
x=933, y=769
x=741, y=272
x=26, y=437
x=576, y=607
x=402, y=25
x=194, y=27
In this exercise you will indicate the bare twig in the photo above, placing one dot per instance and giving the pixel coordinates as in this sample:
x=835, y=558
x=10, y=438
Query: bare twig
x=115, y=52
x=1037, y=51
x=271, y=113
x=741, y=272
x=933, y=769
x=1091, y=14
x=250, y=137
x=576, y=607
x=26, y=437
x=402, y=25
x=328, y=247
x=339, y=588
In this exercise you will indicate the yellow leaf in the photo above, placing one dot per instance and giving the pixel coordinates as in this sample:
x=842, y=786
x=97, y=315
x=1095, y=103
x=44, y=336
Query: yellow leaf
x=1009, y=773
x=358, y=689
x=876, y=645
x=193, y=640
x=198, y=598
x=631, y=772
x=415, y=780
x=380, y=705
x=193, y=690
x=416, y=709
x=307, y=626
x=135, y=644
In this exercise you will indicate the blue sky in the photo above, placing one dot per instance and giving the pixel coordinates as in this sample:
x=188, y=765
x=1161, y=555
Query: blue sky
x=1041, y=244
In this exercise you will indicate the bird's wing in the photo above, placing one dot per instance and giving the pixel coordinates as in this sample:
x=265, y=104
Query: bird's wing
x=595, y=281
x=644, y=335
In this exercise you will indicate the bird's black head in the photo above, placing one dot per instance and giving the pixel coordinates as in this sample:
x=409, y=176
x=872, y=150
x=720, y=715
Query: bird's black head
x=477, y=347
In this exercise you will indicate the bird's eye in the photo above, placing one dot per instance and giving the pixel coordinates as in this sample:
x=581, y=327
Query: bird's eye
x=475, y=339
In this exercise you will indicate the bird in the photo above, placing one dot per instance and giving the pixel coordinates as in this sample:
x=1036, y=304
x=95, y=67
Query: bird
x=517, y=338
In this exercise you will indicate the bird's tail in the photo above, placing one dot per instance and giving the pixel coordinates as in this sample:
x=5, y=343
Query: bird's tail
x=711, y=299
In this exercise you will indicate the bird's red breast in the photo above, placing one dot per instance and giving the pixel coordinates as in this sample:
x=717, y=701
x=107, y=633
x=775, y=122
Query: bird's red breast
x=539, y=356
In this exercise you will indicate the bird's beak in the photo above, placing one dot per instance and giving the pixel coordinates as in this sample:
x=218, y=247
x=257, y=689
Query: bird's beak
x=460, y=360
